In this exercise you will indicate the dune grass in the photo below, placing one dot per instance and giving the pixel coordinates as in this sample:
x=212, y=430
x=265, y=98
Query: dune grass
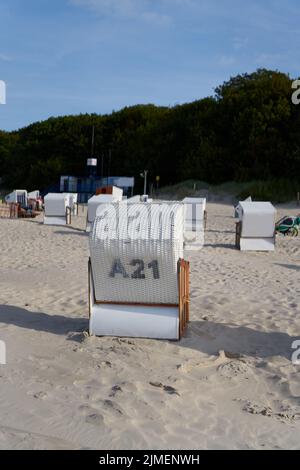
x=277, y=191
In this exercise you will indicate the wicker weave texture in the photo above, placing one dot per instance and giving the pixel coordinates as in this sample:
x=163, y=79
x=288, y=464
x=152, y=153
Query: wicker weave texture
x=134, y=252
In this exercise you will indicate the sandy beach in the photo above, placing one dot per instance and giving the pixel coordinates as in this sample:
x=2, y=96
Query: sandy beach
x=228, y=384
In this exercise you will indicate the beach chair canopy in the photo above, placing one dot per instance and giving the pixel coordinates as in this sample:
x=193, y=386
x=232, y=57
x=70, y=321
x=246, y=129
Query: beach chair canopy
x=56, y=204
x=258, y=219
x=135, y=250
x=17, y=195
x=238, y=208
x=34, y=194
x=136, y=198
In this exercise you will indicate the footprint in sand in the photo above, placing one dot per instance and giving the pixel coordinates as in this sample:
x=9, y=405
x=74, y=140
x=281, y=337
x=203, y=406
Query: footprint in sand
x=111, y=406
x=104, y=364
x=166, y=388
x=257, y=409
x=95, y=418
x=284, y=412
x=234, y=369
x=40, y=395
x=92, y=416
x=115, y=389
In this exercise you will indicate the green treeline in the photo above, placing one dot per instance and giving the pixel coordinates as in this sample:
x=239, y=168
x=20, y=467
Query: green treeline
x=249, y=130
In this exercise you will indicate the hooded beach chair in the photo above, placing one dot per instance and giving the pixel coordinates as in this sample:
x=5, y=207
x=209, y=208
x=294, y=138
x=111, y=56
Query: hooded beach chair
x=57, y=209
x=35, y=200
x=255, y=230
x=18, y=196
x=34, y=194
x=138, y=280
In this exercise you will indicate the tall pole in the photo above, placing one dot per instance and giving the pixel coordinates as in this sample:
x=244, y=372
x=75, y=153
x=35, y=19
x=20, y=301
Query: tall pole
x=109, y=161
x=108, y=166
x=93, y=142
x=92, y=173
x=102, y=165
x=145, y=181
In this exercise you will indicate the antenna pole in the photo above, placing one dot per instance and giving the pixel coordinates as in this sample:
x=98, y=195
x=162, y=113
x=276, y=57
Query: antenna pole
x=102, y=166
x=93, y=141
x=108, y=167
x=145, y=181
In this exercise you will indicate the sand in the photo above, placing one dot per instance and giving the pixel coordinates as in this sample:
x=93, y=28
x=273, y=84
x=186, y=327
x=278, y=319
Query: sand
x=228, y=384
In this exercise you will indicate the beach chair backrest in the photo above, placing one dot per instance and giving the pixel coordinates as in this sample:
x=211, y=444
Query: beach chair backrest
x=258, y=219
x=55, y=204
x=135, y=250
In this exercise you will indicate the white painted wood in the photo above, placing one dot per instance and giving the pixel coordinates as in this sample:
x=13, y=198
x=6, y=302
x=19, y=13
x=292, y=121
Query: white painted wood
x=258, y=219
x=257, y=244
x=52, y=220
x=135, y=321
x=55, y=204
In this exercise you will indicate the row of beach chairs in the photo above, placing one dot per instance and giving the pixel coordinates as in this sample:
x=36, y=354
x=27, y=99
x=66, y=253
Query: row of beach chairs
x=21, y=203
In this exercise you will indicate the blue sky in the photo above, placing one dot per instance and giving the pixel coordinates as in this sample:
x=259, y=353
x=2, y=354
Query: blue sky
x=62, y=57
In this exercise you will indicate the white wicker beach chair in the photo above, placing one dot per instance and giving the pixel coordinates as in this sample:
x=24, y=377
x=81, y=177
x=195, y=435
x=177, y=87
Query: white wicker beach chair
x=255, y=230
x=138, y=281
x=57, y=210
x=34, y=194
x=18, y=196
